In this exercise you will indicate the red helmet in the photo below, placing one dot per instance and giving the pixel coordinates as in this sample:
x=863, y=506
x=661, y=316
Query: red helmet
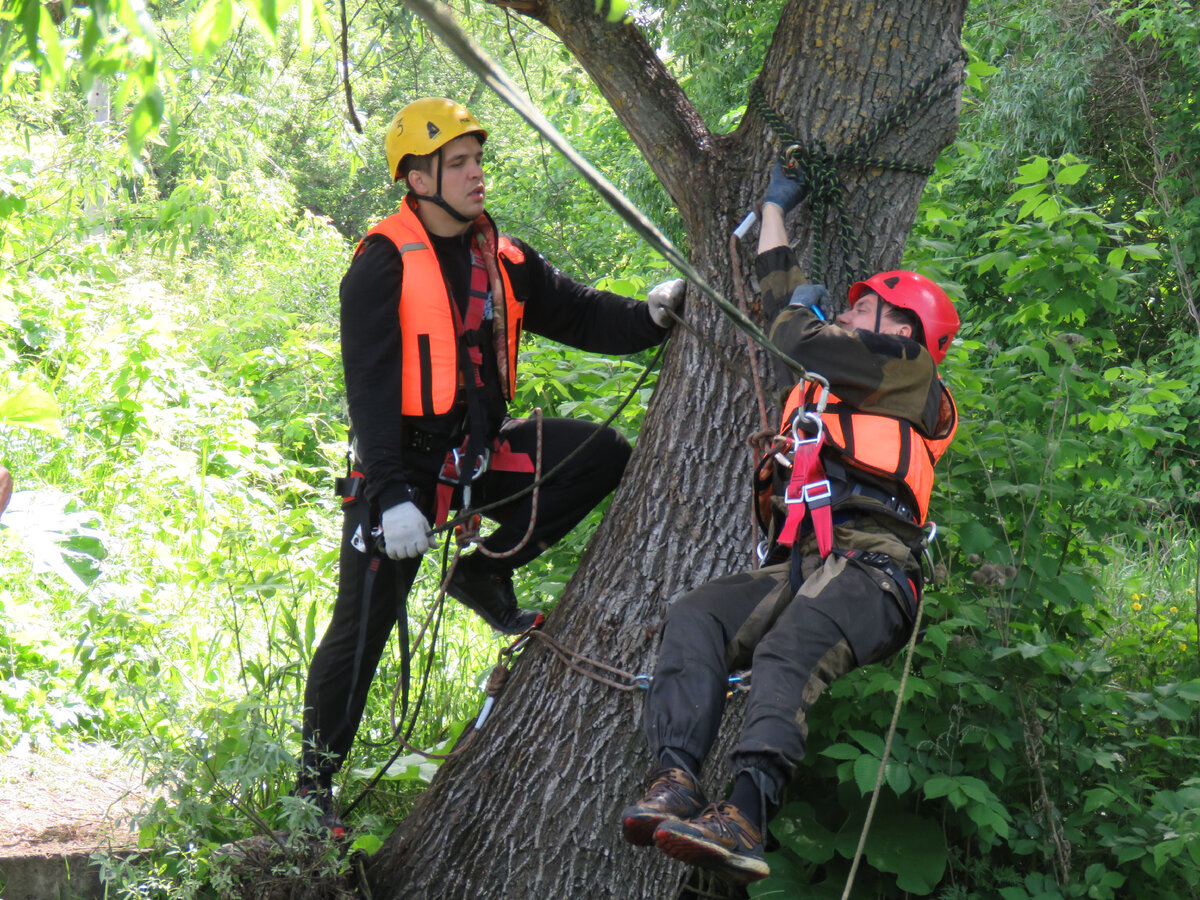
x=909, y=290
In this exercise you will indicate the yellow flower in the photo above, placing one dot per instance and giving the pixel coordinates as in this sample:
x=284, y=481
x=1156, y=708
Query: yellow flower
x=1137, y=607
x=1174, y=609
x=1136, y=596
x=1183, y=646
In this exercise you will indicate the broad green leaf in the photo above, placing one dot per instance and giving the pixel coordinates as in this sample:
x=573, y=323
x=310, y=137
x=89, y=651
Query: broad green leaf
x=211, y=26
x=1033, y=171
x=1071, y=174
x=52, y=51
x=866, y=770
x=31, y=407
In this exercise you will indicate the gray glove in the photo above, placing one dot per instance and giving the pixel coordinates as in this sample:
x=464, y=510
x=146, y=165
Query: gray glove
x=665, y=299
x=810, y=295
x=785, y=192
x=406, y=531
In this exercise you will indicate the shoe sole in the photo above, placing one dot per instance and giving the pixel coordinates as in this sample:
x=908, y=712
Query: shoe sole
x=695, y=851
x=489, y=620
x=639, y=830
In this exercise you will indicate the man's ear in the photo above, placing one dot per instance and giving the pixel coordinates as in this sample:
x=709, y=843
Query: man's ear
x=420, y=183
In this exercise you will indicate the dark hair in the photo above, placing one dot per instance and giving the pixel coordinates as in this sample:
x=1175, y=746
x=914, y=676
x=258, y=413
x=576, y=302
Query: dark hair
x=902, y=316
x=420, y=163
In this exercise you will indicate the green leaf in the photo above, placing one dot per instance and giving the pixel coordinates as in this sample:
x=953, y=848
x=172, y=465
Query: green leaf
x=367, y=843
x=841, y=751
x=33, y=408
x=211, y=26
x=52, y=51
x=1071, y=174
x=866, y=770
x=939, y=786
x=909, y=846
x=1034, y=171
x=798, y=830
x=145, y=118
x=1144, y=251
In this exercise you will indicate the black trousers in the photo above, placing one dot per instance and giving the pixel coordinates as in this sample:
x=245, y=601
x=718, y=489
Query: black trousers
x=333, y=698
x=846, y=614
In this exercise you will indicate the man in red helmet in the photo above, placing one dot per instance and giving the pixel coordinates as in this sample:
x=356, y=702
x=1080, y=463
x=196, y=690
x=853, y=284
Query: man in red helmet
x=846, y=591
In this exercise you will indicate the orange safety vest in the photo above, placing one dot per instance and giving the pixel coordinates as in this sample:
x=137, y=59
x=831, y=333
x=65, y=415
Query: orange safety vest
x=429, y=335
x=881, y=445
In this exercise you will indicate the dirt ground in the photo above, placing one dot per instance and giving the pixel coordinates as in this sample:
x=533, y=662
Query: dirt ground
x=60, y=802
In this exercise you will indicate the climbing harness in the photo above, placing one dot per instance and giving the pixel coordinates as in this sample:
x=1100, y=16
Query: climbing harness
x=820, y=167
x=809, y=492
x=468, y=515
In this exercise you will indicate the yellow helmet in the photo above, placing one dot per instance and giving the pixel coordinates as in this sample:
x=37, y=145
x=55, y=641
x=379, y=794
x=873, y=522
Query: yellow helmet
x=423, y=126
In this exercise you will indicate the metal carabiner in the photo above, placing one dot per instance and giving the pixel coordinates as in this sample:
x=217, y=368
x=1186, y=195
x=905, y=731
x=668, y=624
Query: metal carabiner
x=481, y=463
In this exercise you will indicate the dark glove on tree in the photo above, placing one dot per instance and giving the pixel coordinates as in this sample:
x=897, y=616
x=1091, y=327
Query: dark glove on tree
x=784, y=191
x=811, y=295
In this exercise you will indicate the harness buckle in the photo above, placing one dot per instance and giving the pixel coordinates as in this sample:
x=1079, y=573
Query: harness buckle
x=817, y=494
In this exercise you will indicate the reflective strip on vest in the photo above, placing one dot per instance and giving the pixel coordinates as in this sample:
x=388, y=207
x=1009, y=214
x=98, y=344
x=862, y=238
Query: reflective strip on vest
x=881, y=445
x=428, y=337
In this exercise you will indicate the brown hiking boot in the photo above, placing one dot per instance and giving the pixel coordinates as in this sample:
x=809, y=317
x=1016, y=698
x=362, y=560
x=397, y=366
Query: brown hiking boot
x=673, y=795
x=720, y=839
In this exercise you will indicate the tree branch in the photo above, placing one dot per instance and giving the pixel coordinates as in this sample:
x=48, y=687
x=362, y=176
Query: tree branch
x=645, y=97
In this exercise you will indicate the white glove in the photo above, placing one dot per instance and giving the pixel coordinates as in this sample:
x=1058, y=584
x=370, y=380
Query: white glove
x=406, y=531
x=665, y=299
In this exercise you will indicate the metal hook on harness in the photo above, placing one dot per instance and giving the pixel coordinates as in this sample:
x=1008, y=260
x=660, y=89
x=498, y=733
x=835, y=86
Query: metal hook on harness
x=481, y=462
x=928, y=536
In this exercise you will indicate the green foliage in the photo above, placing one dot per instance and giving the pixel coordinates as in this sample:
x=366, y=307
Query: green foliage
x=171, y=408
x=1044, y=747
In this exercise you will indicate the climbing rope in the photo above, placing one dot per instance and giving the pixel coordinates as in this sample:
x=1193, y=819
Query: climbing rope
x=887, y=752
x=495, y=78
x=469, y=532
x=820, y=167
x=466, y=516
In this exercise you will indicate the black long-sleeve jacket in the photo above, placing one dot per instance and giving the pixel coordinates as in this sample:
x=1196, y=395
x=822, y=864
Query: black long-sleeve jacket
x=556, y=307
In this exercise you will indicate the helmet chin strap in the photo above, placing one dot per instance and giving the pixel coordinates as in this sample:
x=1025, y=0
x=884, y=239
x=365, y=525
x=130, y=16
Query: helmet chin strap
x=438, y=200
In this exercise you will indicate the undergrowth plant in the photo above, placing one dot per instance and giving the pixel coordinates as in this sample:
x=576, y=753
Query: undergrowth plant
x=1044, y=746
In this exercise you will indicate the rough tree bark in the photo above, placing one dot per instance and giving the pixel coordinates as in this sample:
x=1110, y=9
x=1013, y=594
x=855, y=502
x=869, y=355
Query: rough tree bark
x=530, y=810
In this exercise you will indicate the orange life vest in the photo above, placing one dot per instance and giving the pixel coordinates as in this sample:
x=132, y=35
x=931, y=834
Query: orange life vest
x=884, y=446
x=429, y=334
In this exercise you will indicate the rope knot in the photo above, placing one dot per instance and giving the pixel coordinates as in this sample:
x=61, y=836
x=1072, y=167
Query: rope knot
x=496, y=680
x=818, y=168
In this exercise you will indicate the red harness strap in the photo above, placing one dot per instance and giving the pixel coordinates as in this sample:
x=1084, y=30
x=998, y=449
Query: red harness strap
x=459, y=469
x=809, y=492
x=500, y=457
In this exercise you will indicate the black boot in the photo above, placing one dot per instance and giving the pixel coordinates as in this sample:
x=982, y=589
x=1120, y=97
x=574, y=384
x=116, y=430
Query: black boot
x=490, y=594
x=321, y=796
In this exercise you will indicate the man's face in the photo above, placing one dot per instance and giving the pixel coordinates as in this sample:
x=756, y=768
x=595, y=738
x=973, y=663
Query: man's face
x=863, y=313
x=462, y=176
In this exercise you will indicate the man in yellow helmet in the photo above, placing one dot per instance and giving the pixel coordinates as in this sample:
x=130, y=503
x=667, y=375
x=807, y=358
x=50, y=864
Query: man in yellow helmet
x=432, y=310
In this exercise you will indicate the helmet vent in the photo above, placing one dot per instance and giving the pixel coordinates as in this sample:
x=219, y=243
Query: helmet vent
x=432, y=129
x=891, y=282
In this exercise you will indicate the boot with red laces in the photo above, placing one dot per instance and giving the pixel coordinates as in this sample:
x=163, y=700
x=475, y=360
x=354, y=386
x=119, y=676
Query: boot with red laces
x=672, y=795
x=720, y=839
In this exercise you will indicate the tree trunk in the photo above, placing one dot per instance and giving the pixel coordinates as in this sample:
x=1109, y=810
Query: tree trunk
x=530, y=809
